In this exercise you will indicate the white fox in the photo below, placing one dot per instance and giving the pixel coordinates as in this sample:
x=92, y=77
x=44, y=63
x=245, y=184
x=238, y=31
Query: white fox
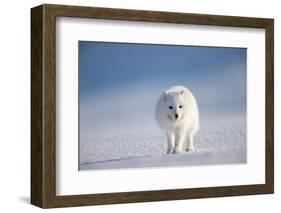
x=177, y=114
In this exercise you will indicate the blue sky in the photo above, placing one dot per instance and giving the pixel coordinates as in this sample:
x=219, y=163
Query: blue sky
x=117, y=80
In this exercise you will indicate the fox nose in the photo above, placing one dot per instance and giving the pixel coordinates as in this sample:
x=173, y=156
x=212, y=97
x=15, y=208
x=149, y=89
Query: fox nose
x=176, y=116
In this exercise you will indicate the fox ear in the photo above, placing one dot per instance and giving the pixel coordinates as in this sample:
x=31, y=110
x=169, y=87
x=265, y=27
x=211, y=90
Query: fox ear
x=165, y=95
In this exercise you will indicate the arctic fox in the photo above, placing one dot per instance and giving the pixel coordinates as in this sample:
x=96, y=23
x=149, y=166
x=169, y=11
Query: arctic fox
x=177, y=114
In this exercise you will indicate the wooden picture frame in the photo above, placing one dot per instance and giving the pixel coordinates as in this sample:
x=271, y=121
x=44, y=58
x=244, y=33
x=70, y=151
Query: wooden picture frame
x=43, y=105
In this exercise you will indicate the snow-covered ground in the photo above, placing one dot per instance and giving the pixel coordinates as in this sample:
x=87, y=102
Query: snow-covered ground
x=221, y=143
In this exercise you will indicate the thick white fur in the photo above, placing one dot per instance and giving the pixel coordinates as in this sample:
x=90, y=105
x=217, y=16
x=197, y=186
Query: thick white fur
x=178, y=100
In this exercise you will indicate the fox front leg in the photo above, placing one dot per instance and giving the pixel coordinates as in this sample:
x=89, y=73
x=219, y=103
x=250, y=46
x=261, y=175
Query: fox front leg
x=180, y=138
x=190, y=146
x=171, y=142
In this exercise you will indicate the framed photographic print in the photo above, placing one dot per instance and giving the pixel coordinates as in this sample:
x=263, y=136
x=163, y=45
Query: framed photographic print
x=136, y=106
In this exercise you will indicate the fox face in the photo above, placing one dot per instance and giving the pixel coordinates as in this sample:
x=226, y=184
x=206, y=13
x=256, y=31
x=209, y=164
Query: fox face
x=174, y=103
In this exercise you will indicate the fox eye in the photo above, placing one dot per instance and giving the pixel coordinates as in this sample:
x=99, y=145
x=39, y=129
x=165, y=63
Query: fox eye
x=170, y=107
x=180, y=106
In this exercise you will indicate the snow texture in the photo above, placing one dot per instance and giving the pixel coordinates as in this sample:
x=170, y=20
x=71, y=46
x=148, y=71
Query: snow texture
x=222, y=143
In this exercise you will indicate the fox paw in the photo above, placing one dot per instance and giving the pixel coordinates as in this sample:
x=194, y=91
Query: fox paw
x=177, y=151
x=190, y=149
x=170, y=151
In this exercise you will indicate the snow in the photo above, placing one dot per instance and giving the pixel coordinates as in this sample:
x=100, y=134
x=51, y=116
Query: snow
x=221, y=143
